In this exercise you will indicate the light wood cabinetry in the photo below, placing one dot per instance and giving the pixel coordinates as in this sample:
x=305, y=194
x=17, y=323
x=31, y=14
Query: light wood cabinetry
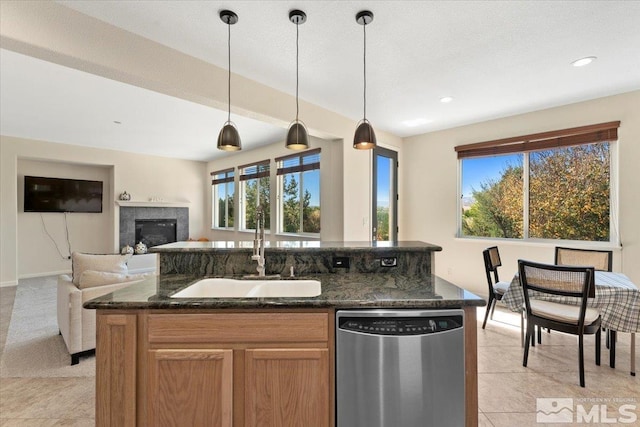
x=116, y=369
x=286, y=387
x=190, y=387
x=221, y=368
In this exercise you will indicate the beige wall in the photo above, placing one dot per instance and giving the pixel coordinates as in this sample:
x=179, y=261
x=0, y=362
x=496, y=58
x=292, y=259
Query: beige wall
x=42, y=237
x=431, y=175
x=137, y=174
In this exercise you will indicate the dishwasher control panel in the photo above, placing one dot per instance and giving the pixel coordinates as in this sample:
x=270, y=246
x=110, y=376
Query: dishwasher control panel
x=400, y=325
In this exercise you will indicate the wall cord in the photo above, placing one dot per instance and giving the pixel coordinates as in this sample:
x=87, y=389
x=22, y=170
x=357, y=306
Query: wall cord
x=66, y=227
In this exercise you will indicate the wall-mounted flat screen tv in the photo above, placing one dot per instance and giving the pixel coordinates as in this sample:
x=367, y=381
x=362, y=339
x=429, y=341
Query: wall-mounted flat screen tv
x=62, y=195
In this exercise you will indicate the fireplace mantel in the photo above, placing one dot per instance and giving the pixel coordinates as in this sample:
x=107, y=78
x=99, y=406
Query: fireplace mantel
x=142, y=204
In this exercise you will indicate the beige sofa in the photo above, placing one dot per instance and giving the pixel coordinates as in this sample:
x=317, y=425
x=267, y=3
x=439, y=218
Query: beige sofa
x=93, y=276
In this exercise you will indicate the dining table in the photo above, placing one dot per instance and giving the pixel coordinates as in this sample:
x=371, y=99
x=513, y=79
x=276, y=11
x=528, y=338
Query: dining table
x=617, y=299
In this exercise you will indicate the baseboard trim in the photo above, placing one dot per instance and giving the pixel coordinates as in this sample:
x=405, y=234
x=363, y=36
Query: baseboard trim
x=8, y=283
x=31, y=276
x=48, y=273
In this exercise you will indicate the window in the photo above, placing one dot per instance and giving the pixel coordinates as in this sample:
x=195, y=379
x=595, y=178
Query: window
x=555, y=185
x=222, y=192
x=299, y=192
x=254, y=191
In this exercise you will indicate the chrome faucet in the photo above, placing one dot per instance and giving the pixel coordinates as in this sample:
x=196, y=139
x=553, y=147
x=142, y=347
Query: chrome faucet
x=258, y=241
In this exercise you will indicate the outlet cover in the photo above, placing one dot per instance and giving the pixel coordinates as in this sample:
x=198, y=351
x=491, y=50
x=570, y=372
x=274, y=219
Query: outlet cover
x=341, y=262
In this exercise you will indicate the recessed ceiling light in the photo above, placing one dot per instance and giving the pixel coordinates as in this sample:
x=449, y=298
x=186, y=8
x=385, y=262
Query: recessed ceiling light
x=583, y=61
x=446, y=99
x=416, y=122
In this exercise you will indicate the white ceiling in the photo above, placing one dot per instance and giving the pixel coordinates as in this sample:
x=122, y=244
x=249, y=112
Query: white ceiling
x=496, y=58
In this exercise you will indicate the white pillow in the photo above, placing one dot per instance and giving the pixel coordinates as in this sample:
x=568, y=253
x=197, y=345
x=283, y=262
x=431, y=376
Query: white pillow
x=109, y=263
x=91, y=278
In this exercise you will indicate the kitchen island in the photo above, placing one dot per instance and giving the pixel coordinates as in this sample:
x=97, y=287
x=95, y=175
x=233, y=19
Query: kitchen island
x=254, y=361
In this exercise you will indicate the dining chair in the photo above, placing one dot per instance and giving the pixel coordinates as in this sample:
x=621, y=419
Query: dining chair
x=575, y=283
x=497, y=289
x=599, y=260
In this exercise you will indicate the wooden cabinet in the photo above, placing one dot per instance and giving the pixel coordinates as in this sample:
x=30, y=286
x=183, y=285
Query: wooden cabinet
x=190, y=387
x=223, y=368
x=116, y=370
x=287, y=387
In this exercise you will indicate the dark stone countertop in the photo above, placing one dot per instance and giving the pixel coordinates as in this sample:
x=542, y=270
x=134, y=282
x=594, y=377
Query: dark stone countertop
x=339, y=291
x=308, y=246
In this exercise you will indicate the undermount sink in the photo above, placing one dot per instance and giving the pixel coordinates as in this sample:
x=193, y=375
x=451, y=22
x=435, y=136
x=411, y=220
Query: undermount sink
x=234, y=288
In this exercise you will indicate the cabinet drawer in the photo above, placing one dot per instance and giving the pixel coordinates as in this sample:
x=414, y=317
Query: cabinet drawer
x=238, y=327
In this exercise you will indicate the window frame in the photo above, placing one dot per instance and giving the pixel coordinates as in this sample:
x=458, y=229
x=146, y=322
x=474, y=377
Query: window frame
x=228, y=180
x=281, y=171
x=584, y=135
x=243, y=177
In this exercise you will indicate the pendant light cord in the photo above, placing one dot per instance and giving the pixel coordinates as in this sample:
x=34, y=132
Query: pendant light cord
x=297, y=78
x=229, y=63
x=364, y=29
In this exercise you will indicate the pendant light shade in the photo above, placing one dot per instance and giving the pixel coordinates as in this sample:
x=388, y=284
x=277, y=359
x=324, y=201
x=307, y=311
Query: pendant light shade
x=365, y=137
x=297, y=136
x=229, y=138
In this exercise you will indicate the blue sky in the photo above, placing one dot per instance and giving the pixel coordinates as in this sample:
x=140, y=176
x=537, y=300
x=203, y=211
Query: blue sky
x=481, y=169
x=312, y=183
x=384, y=171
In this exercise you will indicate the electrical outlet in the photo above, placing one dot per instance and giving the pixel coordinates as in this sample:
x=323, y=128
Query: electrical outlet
x=341, y=262
x=388, y=261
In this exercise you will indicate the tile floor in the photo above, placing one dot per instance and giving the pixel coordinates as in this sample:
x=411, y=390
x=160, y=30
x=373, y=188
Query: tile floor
x=507, y=390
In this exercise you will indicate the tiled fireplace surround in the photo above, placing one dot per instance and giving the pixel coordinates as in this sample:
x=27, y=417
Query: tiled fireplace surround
x=129, y=214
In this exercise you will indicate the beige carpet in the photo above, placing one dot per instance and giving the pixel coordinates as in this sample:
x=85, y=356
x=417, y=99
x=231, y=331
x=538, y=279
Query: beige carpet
x=33, y=347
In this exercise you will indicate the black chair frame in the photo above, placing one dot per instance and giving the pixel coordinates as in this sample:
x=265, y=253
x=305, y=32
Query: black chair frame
x=579, y=329
x=491, y=269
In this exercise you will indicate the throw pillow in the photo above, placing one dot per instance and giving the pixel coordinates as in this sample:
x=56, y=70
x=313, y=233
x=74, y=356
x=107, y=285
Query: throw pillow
x=109, y=263
x=91, y=278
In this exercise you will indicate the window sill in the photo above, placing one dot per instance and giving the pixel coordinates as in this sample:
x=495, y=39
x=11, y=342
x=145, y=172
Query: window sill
x=580, y=244
x=311, y=236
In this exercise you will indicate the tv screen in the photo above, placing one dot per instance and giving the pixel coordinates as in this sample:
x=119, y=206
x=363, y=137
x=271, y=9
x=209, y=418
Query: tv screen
x=62, y=195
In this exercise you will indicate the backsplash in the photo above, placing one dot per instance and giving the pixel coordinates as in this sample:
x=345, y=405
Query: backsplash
x=418, y=262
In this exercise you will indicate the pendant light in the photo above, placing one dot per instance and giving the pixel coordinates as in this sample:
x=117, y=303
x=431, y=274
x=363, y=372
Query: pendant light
x=365, y=137
x=229, y=138
x=297, y=136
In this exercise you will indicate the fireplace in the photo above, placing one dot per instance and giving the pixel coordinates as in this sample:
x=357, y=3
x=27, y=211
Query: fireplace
x=158, y=225
x=154, y=232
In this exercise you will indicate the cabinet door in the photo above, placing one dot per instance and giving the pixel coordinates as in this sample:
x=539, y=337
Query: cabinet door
x=190, y=387
x=116, y=370
x=287, y=387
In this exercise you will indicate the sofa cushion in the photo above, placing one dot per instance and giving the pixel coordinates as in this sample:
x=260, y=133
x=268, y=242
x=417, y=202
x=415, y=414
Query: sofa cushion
x=81, y=262
x=91, y=278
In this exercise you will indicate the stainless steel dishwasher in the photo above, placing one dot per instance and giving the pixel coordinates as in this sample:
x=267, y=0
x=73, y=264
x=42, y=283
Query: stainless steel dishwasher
x=400, y=368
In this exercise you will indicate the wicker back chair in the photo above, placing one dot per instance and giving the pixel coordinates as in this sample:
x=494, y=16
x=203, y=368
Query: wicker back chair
x=573, y=285
x=599, y=260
